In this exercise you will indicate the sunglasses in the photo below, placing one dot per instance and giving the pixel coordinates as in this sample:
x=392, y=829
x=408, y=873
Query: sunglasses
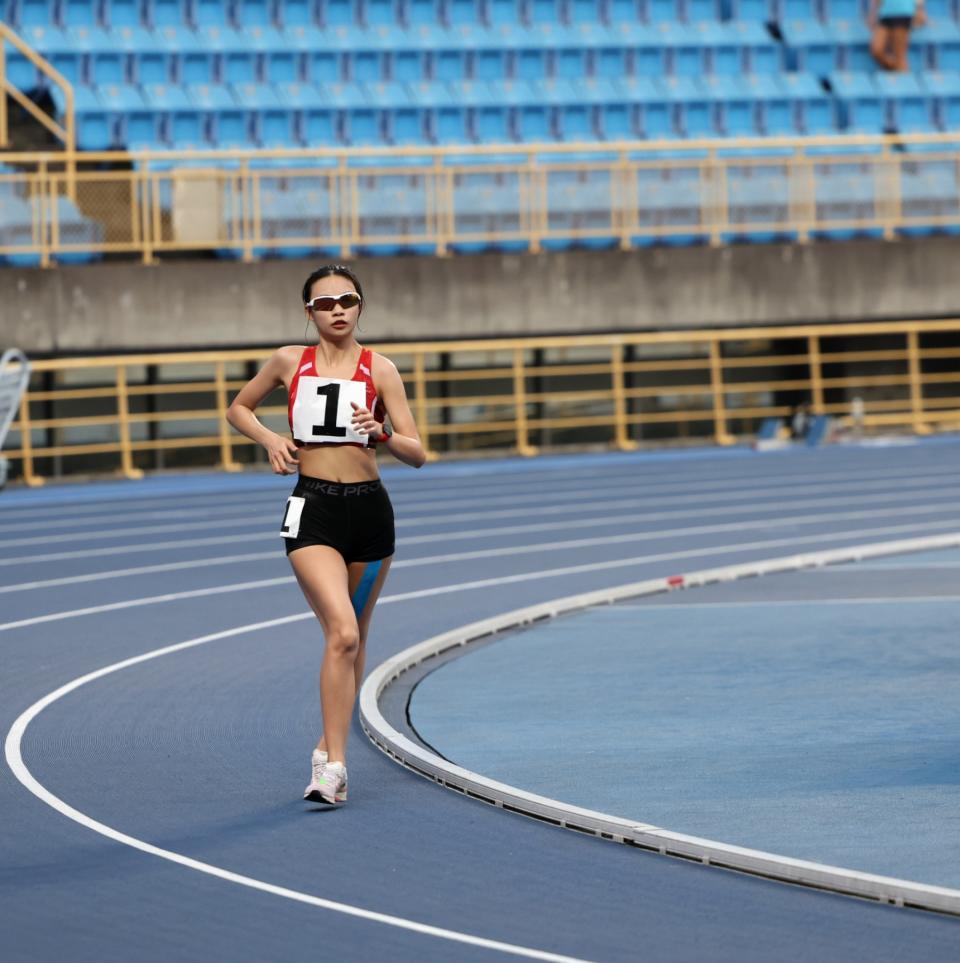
x=327, y=302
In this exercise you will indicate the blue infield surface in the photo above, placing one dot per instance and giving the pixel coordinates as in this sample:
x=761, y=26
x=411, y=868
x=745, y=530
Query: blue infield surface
x=822, y=726
x=154, y=812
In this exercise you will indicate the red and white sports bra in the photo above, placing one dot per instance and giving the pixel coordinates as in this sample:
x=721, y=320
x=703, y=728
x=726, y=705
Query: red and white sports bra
x=319, y=408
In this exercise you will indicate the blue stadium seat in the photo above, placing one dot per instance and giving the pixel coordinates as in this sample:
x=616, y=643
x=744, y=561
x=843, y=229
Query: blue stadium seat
x=188, y=57
x=20, y=71
x=335, y=13
x=211, y=13
x=609, y=61
x=756, y=11
x=426, y=12
x=365, y=66
x=811, y=47
x=735, y=108
x=653, y=115
x=446, y=118
x=762, y=54
x=789, y=11
x=324, y=67
x=295, y=13
x=166, y=13
x=253, y=13
x=409, y=66
x=151, y=63
x=96, y=125
x=623, y=11
x=614, y=118
x=464, y=12
x=701, y=11
x=272, y=121
x=861, y=109
x=490, y=63
x=585, y=11
x=816, y=110
x=693, y=109
x=909, y=109
x=508, y=12
x=543, y=11
x=944, y=88
x=384, y=12
x=853, y=41
x=229, y=121
x=570, y=62
x=450, y=65
x=78, y=13
x=651, y=51
x=663, y=11
x=530, y=63
x=315, y=120
x=401, y=116
x=853, y=11
x=940, y=41
x=778, y=115
x=359, y=122
x=37, y=13
x=136, y=122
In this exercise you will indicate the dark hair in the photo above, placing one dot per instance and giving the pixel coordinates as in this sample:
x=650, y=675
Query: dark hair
x=338, y=270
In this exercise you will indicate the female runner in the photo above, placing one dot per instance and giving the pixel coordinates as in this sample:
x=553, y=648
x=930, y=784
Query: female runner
x=338, y=524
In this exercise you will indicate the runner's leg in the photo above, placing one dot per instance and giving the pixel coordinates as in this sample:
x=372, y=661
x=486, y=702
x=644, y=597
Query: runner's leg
x=323, y=577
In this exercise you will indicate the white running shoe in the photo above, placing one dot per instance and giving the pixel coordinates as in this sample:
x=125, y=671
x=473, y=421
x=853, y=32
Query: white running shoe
x=332, y=784
x=315, y=791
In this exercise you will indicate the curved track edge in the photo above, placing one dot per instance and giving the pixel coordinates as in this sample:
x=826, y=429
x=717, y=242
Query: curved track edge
x=415, y=757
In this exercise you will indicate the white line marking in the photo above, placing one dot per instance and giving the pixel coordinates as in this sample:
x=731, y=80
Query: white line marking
x=565, y=524
x=14, y=757
x=483, y=583
x=430, y=513
x=772, y=603
x=457, y=489
x=415, y=522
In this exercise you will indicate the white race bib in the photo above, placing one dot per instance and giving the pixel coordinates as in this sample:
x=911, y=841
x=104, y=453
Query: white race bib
x=322, y=410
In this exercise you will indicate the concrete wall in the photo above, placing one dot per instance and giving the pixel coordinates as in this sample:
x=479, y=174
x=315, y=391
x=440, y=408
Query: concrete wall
x=205, y=303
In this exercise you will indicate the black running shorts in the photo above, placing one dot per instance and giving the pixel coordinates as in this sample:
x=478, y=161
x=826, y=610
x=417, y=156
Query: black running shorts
x=355, y=518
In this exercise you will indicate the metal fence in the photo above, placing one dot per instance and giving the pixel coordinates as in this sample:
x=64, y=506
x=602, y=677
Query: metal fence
x=133, y=413
x=247, y=204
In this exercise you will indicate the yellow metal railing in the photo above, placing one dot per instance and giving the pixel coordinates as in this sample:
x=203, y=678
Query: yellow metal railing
x=65, y=132
x=439, y=200
x=135, y=412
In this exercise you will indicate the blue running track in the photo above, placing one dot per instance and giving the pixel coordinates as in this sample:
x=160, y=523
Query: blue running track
x=203, y=752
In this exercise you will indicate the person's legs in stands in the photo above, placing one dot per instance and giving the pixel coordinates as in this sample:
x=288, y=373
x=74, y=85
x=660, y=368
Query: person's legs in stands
x=880, y=47
x=900, y=43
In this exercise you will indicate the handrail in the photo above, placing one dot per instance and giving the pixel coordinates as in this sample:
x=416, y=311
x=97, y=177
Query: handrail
x=68, y=133
x=523, y=394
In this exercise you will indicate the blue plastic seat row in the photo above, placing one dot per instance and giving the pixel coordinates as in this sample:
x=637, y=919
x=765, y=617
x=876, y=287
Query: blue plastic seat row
x=465, y=14
x=137, y=55
x=905, y=103
x=821, y=49
x=455, y=112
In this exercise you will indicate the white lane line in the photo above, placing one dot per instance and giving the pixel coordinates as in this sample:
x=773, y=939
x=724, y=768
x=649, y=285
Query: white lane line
x=14, y=757
x=140, y=570
x=773, y=603
x=483, y=583
x=617, y=520
x=412, y=519
x=456, y=489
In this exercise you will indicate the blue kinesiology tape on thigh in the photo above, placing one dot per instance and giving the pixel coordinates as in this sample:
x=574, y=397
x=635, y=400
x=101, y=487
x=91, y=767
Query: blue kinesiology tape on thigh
x=365, y=587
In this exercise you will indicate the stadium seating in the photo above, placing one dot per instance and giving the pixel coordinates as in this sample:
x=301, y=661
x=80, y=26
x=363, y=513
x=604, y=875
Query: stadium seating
x=163, y=74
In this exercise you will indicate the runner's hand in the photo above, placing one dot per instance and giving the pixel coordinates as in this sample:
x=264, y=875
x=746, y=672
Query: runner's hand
x=283, y=454
x=364, y=423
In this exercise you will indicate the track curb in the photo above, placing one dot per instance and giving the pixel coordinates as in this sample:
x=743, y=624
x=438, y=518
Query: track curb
x=413, y=756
